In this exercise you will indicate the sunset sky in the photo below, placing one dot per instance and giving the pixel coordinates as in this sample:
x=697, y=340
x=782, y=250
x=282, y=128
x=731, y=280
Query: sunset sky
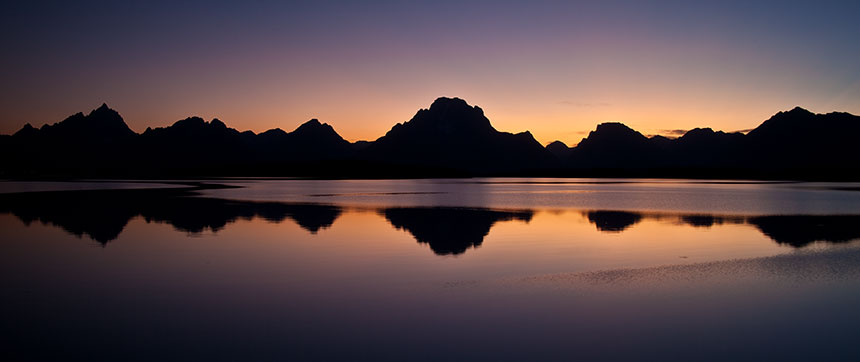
x=556, y=68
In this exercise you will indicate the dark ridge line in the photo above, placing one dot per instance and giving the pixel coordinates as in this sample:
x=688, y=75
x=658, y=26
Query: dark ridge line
x=450, y=139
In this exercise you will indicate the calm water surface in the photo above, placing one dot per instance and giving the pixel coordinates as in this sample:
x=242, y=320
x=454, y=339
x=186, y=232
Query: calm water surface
x=476, y=269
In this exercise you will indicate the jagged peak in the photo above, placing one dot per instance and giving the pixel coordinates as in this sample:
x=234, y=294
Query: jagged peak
x=26, y=130
x=525, y=136
x=612, y=133
x=314, y=129
x=612, y=126
x=444, y=104
x=796, y=117
x=313, y=125
x=843, y=114
x=103, y=109
x=217, y=123
x=613, y=129
x=193, y=121
x=794, y=112
x=449, y=102
x=99, y=122
x=447, y=115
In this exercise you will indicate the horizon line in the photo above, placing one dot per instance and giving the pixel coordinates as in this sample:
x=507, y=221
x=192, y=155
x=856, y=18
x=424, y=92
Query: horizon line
x=668, y=133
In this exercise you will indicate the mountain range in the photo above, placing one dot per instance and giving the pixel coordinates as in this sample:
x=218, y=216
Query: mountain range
x=450, y=138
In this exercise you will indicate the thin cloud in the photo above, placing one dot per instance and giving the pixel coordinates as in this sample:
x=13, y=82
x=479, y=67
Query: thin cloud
x=670, y=133
x=676, y=132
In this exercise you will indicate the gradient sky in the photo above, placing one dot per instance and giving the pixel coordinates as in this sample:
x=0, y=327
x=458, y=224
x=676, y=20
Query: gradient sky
x=556, y=68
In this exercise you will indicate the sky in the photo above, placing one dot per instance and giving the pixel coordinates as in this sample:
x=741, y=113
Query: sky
x=555, y=68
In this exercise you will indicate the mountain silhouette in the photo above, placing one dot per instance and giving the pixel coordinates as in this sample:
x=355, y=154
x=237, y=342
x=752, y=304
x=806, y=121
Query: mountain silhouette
x=191, y=143
x=799, y=139
x=100, y=125
x=613, y=145
x=453, y=135
x=311, y=141
x=95, y=143
x=703, y=147
x=796, y=144
x=451, y=138
x=558, y=149
x=101, y=144
x=449, y=231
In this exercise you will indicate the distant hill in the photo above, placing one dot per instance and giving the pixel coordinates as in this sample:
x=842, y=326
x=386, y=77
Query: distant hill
x=558, y=149
x=613, y=145
x=196, y=146
x=451, y=138
x=796, y=144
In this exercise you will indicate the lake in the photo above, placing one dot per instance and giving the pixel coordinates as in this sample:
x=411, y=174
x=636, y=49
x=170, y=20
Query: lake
x=441, y=269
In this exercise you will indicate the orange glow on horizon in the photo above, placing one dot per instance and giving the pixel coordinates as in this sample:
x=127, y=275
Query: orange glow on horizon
x=569, y=123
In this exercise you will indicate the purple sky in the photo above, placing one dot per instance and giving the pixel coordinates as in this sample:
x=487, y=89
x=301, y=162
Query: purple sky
x=556, y=68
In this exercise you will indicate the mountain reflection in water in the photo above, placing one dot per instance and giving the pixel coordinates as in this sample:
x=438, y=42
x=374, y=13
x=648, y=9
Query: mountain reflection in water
x=449, y=230
x=103, y=214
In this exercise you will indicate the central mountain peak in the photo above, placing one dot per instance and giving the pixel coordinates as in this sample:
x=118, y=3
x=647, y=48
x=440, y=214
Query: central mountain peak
x=448, y=117
x=320, y=132
x=445, y=102
x=612, y=133
x=452, y=134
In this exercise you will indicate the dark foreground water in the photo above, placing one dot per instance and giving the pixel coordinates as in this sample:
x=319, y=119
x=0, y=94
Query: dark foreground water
x=479, y=269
